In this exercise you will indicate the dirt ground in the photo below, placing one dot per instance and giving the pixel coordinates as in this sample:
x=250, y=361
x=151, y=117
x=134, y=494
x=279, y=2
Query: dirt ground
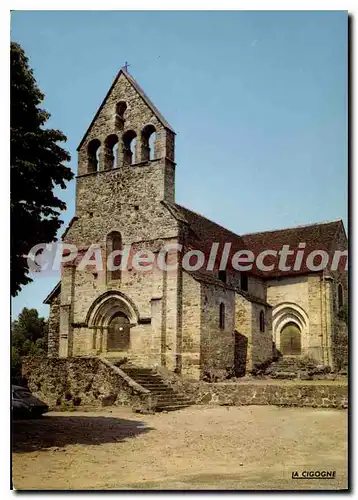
x=200, y=447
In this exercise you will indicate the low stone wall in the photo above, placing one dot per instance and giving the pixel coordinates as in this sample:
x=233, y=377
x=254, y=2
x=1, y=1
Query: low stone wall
x=83, y=381
x=321, y=395
x=316, y=394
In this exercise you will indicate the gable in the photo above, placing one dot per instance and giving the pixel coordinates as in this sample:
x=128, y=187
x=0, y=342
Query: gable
x=124, y=88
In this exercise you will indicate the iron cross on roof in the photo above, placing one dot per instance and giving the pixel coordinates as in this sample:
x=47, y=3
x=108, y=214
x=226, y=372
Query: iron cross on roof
x=126, y=66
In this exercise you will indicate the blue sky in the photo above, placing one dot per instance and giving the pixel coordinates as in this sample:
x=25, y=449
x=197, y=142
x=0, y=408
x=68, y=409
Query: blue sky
x=258, y=101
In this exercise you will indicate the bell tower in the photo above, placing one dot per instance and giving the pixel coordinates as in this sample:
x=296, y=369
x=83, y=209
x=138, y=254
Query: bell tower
x=128, y=144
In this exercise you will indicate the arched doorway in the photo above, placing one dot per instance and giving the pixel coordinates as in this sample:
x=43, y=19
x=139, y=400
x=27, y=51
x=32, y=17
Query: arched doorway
x=290, y=340
x=118, y=336
x=111, y=317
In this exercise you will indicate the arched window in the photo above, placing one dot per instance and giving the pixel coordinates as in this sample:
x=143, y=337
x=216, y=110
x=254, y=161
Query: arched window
x=111, y=152
x=340, y=296
x=113, y=244
x=222, y=276
x=93, y=152
x=119, y=117
x=129, y=147
x=148, y=143
x=262, y=321
x=222, y=315
x=244, y=282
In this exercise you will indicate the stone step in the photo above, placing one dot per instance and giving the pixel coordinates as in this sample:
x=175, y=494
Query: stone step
x=167, y=398
x=142, y=376
x=158, y=389
x=146, y=379
x=170, y=407
x=150, y=383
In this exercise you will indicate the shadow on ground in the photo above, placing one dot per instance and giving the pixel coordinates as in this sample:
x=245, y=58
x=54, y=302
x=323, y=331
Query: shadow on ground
x=59, y=431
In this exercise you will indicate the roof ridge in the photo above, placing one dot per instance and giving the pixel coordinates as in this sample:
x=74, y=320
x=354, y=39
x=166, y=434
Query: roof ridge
x=52, y=293
x=148, y=101
x=294, y=227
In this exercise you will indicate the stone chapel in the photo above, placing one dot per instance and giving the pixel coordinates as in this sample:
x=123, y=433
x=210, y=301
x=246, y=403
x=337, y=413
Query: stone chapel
x=191, y=322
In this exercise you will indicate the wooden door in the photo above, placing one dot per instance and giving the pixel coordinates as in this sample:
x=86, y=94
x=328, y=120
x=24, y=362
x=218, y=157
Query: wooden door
x=290, y=344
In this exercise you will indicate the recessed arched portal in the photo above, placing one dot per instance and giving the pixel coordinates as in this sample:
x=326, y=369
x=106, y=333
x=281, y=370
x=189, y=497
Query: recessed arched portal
x=290, y=313
x=118, y=335
x=111, y=317
x=290, y=341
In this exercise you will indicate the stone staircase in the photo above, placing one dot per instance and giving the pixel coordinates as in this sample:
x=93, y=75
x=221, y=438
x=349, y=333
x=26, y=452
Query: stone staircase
x=284, y=368
x=167, y=398
x=296, y=367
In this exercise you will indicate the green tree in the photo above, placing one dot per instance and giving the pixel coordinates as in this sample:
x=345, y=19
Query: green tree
x=37, y=167
x=29, y=338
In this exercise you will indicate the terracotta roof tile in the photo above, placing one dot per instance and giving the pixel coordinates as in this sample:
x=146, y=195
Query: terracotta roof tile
x=202, y=232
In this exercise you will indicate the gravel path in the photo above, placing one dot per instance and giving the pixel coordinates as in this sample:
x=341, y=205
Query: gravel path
x=249, y=447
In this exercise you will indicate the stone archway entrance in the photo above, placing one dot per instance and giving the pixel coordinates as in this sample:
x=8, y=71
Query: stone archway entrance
x=290, y=341
x=111, y=318
x=118, y=334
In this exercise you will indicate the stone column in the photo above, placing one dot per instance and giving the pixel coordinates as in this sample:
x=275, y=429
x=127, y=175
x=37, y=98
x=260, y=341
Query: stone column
x=171, y=313
x=66, y=311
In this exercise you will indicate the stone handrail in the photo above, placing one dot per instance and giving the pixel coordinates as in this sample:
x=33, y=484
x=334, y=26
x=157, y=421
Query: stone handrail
x=132, y=383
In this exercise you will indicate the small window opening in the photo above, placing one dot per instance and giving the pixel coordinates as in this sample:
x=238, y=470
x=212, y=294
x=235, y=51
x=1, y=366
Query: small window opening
x=222, y=276
x=120, y=110
x=340, y=296
x=222, y=316
x=262, y=321
x=114, y=243
x=244, y=282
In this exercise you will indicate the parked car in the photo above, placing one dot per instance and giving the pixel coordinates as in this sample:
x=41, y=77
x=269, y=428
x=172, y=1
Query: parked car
x=26, y=405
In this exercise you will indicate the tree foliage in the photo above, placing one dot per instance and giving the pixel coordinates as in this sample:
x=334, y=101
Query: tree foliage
x=28, y=336
x=37, y=166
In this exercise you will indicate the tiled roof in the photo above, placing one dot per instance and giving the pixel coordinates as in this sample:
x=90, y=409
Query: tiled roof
x=319, y=236
x=203, y=232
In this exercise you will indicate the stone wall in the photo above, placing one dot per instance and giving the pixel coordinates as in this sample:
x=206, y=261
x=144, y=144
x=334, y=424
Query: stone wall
x=339, y=326
x=301, y=299
x=283, y=394
x=217, y=343
x=316, y=394
x=83, y=381
x=54, y=327
x=262, y=351
x=252, y=346
x=191, y=318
